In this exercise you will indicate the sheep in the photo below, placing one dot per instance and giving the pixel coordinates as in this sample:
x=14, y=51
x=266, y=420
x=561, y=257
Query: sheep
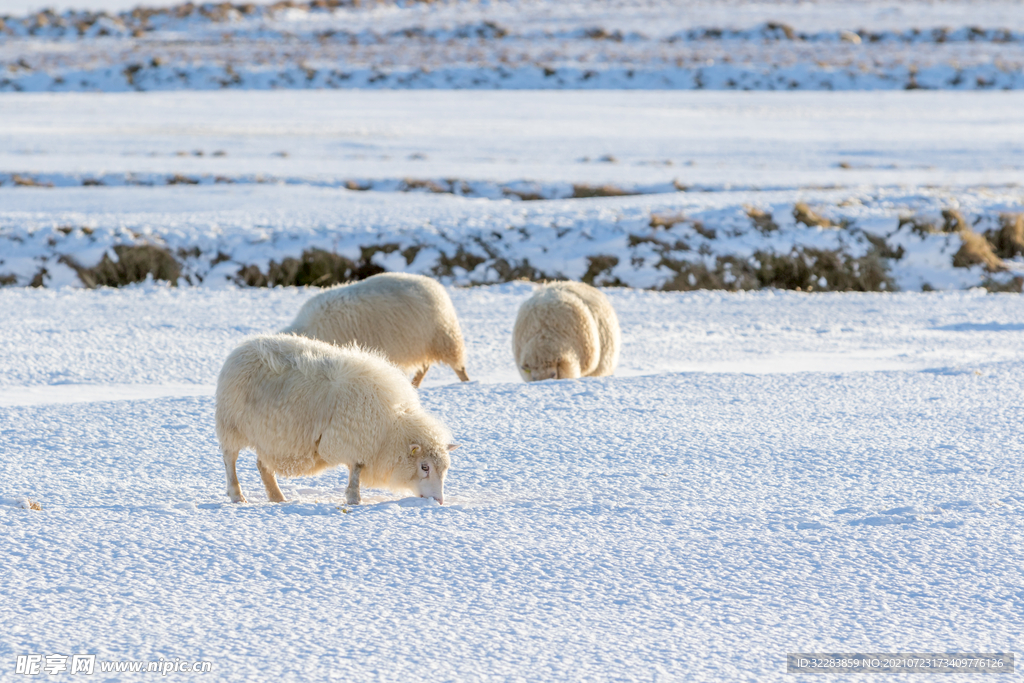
x=566, y=330
x=409, y=318
x=305, y=405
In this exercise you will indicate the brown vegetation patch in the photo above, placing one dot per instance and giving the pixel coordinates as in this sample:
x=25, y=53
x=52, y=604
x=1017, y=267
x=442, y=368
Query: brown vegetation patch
x=27, y=181
x=761, y=219
x=976, y=250
x=524, y=196
x=466, y=260
x=883, y=248
x=1008, y=241
x=507, y=272
x=410, y=184
x=803, y=269
x=6, y=280
x=588, y=191
x=920, y=225
x=178, y=179
x=1014, y=285
x=314, y=268
x=666, y=220
x=134, y=264
x=954, y=221
x=598, y=267
x=803, y=213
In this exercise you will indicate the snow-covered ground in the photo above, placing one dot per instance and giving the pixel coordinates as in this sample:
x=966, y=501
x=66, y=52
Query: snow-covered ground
x=515, y=44
x=769, y=472
x=434, y=182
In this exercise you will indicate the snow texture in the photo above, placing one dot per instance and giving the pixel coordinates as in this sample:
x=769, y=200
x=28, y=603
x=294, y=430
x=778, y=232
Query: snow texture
x=436, y=183
x=769, y=472
x=516, y=44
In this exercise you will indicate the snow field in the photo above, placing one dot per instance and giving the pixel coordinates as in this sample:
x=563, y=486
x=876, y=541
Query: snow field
x=657, y=525
x=446, y=171
x=514, y=45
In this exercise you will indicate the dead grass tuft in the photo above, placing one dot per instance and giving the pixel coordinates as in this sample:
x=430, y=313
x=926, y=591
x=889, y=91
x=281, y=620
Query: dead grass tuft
x=27, y=181
x=1014, y=285
x=178, y=179
x=588, y=191
x=410, y=184
x=6, y=280
x=314, y=268
x=954, y=221
x=666, y=220
x=762, y=220
x=977, y=250
x=802, y=213
x=134, y=264
x=803, y=269
x=466, y=260
x=1008, y=241
x=602, y=265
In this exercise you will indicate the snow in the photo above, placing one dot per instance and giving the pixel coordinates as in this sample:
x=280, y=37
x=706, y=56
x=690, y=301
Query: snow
x=272, y=177
x=769, y=472
x=517, y=44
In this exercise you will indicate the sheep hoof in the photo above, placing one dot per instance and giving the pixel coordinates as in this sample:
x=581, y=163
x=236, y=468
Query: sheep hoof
x=239, y=499
x=352, y=499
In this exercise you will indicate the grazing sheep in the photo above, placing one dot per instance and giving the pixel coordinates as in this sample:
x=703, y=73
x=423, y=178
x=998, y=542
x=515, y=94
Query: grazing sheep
x=409, y=318
x=565, y=330
x=305, y=405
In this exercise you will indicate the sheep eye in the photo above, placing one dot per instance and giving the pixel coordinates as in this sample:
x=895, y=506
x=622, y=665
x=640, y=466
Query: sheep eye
x=425, y=467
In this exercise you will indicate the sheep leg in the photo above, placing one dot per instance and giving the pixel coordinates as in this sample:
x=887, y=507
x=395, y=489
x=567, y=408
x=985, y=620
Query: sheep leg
x=418, y=377
x=461, y=372
x=352, y=492
x=234, y=488
x=270, y=482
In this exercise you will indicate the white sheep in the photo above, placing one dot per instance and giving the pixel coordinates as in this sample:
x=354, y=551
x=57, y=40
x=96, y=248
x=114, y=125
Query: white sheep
x=305, y=405
x=409, y=318
x=566, y=329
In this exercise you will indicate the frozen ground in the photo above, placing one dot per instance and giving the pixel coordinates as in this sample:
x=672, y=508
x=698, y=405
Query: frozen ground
x=230, y=184
x=770, y=472
x=826, y=45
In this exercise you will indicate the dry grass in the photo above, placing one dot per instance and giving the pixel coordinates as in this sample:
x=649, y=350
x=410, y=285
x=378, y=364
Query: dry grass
x=666, y=220
x=588, y=191
x=314, y=268
x=761, y=219
x=802, y=213
x=599, y=271
x=27, y=181
x=977, y=250
x=803, y=269
x=6, y=280
x=134, y=264
x=1008, y=241
x=410, y=184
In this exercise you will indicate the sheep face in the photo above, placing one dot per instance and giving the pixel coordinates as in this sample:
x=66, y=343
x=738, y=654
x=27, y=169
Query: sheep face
x=429, y=466
x=537, y=372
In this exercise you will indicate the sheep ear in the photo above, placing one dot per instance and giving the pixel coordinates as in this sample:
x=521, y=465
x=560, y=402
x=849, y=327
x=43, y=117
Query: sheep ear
x=453, y=446
x=414, y=448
